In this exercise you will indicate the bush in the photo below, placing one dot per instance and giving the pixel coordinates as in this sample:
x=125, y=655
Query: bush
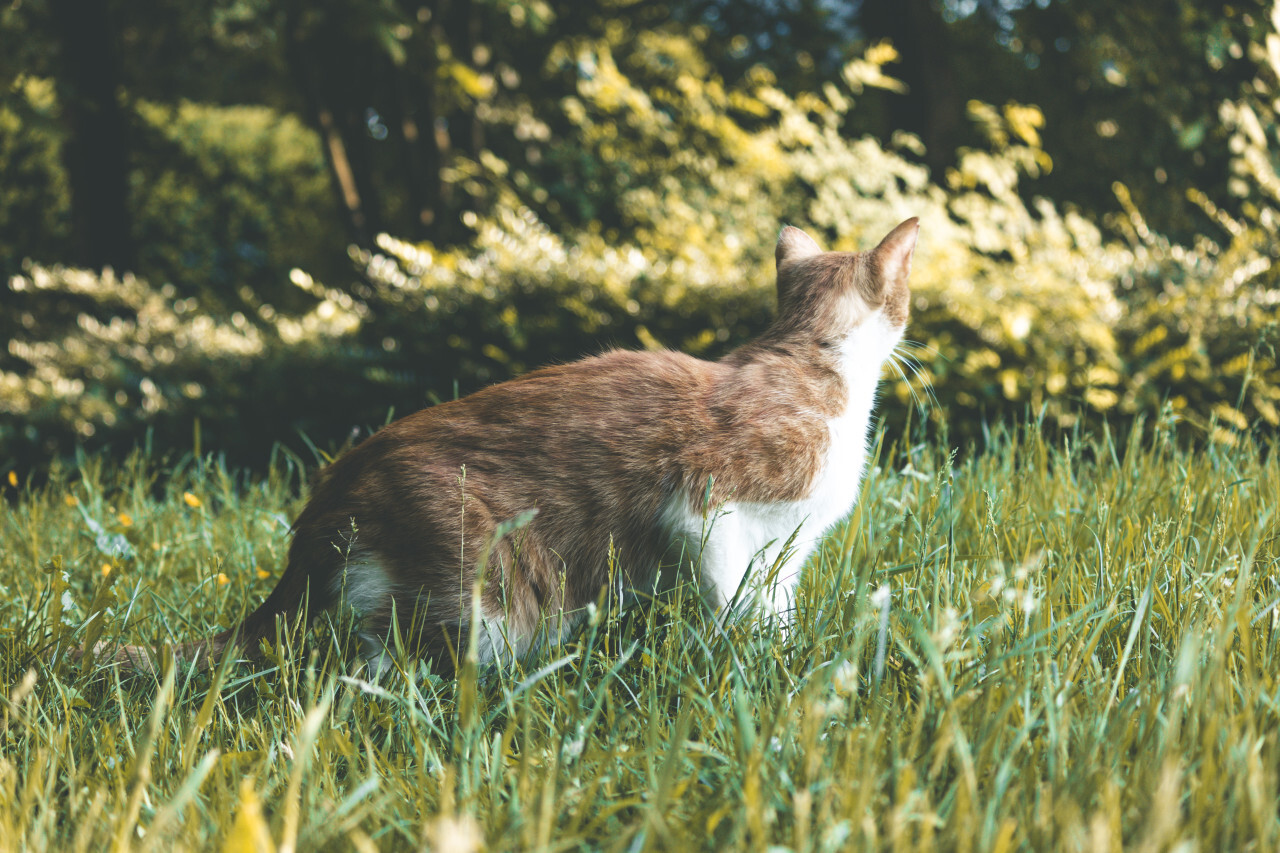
x=1204, y=320
x=228, y=200
x=224, y=197
x=1017, y=306
x=35, y=209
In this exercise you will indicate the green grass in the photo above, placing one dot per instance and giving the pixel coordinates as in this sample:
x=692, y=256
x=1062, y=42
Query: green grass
x=1077, y=650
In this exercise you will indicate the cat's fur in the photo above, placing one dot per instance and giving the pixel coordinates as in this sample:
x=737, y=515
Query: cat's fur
x=623, y=452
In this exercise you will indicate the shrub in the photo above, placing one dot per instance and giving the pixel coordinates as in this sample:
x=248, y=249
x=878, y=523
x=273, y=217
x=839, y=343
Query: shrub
x=1017, y=305
x=1204, y=320
x=34, y=200
x=224, y=197
x=229, y=198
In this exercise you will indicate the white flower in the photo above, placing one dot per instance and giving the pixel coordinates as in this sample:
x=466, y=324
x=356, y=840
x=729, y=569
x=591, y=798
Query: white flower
x=845, y=678
x=948, y=629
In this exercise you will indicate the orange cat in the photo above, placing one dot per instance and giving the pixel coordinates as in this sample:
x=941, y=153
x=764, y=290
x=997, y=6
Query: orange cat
x=627, y=450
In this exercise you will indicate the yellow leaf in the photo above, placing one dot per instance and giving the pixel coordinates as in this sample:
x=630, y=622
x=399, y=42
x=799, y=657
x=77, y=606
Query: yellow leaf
x=475, y=85
x=1231, y=415
x=191, y=500
x=714, y=820
x=249, y=833
x=1024, y=121
x=882, y=53
x=1101, y=398
x=1004, y=840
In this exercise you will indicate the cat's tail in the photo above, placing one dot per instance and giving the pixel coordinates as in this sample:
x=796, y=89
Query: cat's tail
x=149, y=660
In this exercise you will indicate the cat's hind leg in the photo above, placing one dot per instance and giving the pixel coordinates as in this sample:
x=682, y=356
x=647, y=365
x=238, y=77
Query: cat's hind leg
x=392, y=617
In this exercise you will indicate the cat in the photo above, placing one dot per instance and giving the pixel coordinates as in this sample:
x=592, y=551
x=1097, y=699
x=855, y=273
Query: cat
x=604, y=461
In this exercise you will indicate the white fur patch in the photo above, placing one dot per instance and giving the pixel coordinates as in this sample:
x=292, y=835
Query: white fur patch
x=367, y=588
x=495, y=640
x=747, y=538
x=365, y=585
x=498, y=642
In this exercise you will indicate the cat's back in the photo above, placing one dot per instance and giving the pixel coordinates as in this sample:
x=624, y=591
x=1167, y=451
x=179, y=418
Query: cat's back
x=619, y=389
x=619, y=409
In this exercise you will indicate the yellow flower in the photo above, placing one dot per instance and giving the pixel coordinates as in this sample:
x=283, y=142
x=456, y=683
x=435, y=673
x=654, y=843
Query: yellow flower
x=191, y=500
x=223, y=580
x=263, y=574
x=70, y=500
x=124, y=519
x=106, y=569
x=13, y=479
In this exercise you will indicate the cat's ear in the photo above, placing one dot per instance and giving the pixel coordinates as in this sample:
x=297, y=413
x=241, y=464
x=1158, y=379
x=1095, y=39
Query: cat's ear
x=794, y=244
x=893, y=255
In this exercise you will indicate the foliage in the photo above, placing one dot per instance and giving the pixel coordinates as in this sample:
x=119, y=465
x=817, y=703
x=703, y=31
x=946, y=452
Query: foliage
x=1035, y=647
x=234, y=197
x=34, y=204
x=687, y=262
x=1016, y=306
x=654, y=228
x=408, y=96
x=227, y=198
x=139, y=360
x=1132, y=93
x=1204, y=320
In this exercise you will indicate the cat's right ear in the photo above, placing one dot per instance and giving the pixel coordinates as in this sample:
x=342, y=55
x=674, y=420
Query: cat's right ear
x=893, y=255
x=794, y=244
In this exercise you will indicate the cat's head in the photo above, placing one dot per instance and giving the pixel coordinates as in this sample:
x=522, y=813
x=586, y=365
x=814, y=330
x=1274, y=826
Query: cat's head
x=831, y=295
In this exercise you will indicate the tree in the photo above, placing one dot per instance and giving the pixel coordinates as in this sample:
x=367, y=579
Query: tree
x=96, y=152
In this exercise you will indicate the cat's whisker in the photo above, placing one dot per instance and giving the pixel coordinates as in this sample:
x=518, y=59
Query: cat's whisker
x=917, y=367
x=923, y=347
x=926, y=383
x=917, y=382
x=897, y=369
x=921, y=402
x=926, y=387
x=895, y=360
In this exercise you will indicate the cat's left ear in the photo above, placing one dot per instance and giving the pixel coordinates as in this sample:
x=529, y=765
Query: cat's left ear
x=794, y=244
x=893, y=255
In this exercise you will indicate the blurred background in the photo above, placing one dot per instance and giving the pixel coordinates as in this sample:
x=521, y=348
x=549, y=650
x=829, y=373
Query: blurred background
x=231, y=224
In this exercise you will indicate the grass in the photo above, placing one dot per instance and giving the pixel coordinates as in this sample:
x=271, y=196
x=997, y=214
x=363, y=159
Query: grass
x=1068, y=646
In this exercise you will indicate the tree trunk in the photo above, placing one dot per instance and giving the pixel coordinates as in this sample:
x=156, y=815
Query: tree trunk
x=404, y=118
x=932, y=107
x=436, y=143
x=96, y=153
x=325, y=120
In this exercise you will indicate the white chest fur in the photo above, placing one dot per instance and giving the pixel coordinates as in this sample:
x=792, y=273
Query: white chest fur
x=746, y=539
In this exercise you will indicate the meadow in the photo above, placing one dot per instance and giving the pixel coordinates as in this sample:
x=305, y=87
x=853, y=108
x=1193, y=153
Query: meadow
x=1064, y=644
